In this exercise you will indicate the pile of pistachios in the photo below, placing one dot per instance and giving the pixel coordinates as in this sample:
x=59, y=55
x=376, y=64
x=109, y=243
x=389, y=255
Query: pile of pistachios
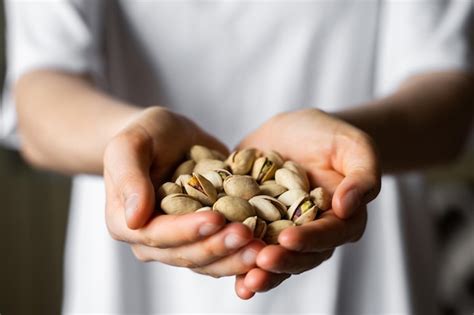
x=259, y=189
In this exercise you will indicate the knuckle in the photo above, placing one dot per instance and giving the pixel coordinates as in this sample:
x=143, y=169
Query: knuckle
x=139, y=255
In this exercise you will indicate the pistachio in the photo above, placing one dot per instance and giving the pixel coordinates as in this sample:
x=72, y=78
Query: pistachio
x=263, y=169
x=199, y=152
x=291, y=180
x=298, y=169
x=274, y=229
x=184, y=168
x=182, y=179
x=241, y=161
x=179, y=204
x=214, y=178
x=201, y=189
x=268, y=208
x=321, y=198
x=234, y=209
x=275, y=157
x=272, y=189
x=169, y=188
x=302, y=211
x=206, y=208
x=206, y=165
x=291, y=196
x=242, y=186
x=257, y=226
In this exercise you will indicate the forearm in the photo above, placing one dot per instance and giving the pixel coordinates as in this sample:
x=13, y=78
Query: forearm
x=424, y=123
x=65, y=122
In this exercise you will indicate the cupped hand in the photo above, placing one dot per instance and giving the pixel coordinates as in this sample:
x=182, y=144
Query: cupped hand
x=337, y=157
x=136, y=162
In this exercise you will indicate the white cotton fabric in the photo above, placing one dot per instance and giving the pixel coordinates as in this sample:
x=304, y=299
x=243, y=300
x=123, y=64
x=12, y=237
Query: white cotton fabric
x=231, y=65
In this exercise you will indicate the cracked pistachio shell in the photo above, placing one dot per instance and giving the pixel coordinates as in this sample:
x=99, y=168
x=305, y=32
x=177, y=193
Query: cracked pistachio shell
x=201, y=189
x=206, y=165
x=206, y=208
x=182, y=179
x=298, y=169
x=234, y=209
x=275, y=157
x=302, y=211
x=257, y=226
x=215, y=179
x=242, y=186
x=268, y=208
x=291, y=180
x=186, y=167
x=321, y=198
x=263, y=169
x=274, y=229
x=179, y=204
x=169, y=188
x=291, y=196
x=199, y=152
x=270, y=188
x=241, y=161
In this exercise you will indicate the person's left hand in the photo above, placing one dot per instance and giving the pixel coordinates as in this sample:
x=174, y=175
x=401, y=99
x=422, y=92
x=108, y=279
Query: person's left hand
x=337, y=157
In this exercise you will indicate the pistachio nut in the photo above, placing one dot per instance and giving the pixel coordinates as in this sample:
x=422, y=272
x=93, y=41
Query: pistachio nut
x=221, y=194
x=206, y=165
x=242, y=186
x=199, y=152
x=241, y=161
x=234, y=209
x=291, y=196
x=201, y=189
x=169, y=188
x=182, y=179
x=274, y=229
x=206, y=208
x=215, y=179
x=186, y=167
x=257, y=226
x=302, y=211
x=291, y=180
x=179, y=204
x=298, y=169
x=263, y=169
x=271, y=188
x=268, y=208
x=275, y=157
x=321, y=198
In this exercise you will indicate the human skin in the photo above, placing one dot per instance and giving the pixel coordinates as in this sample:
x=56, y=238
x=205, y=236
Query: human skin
x=131, y=147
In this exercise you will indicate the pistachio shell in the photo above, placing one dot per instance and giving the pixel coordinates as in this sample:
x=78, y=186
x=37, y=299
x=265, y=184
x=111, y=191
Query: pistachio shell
x=214, y=178
x=201, y=189
x=302, y=211
x=321, y=198
x=241, y=161
x=257, y=226
x=274, y=229
x=224, y=173
x=169, y=188
x=234, y=209
x=207, y=208
x=263, y=169
x=275, y=157
x=291, y=180
x=206, y=165
x=221, y=194
x=298, y=169
x=272, y=189
x=268, y=208
x=199, y=152
x=182, y=179
x=179, y=204
x=291, y=196
x=242, y=186
x=184, y=168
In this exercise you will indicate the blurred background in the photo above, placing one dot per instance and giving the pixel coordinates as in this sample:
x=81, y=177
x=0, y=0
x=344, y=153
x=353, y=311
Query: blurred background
x=33, y=220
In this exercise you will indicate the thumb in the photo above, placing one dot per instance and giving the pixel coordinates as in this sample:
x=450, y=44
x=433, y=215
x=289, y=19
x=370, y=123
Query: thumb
x=127, y=162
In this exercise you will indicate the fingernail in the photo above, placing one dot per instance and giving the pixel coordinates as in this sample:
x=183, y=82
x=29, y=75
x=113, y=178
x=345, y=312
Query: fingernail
x=233, y=241
x=249, y=256
x=208, y=229
x=131, y=205
x=351, y=201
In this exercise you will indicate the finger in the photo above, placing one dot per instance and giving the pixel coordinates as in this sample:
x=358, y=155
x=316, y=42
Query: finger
x=225, y=242
x=241, y=290
x=278, y=259
x=235, y=264
x=167, y=231
x=328, y=231
x=127, y=161
x=259, y=280
x=361, y=183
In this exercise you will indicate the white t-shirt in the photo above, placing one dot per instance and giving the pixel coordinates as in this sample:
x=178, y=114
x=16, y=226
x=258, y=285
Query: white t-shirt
x=231, y=65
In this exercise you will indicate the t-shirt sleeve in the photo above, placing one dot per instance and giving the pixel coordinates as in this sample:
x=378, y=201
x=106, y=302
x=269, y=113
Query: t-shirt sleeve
x=59, y=35
x=423, y=36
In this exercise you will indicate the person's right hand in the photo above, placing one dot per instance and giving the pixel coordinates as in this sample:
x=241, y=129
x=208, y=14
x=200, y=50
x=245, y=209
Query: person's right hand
x=136, y=162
